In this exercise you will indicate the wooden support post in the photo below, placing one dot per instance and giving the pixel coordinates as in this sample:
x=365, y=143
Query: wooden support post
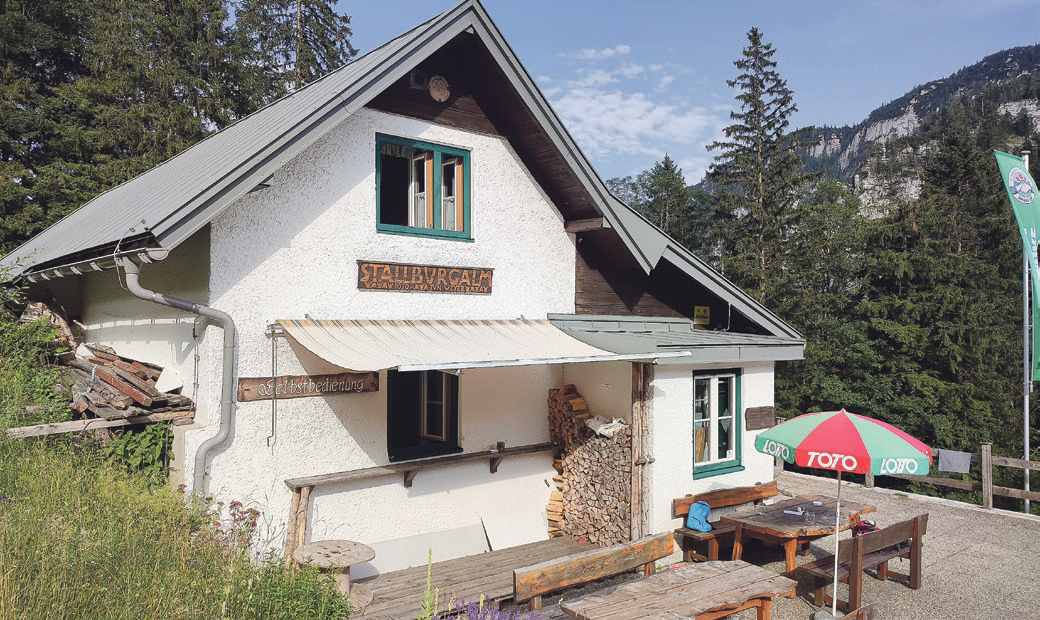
x=301, y=519
x=870, y=480
x=290, y=535
x=500, y=447
x=987, y=476
x=409, y=475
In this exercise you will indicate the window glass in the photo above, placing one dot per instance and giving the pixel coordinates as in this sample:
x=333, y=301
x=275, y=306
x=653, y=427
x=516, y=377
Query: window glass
x=716, y=420
x=422, y=414
x=422, y=188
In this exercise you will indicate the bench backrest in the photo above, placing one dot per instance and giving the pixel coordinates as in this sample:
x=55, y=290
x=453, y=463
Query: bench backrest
x=573, y=570
x=722, y=498
x=883, y=538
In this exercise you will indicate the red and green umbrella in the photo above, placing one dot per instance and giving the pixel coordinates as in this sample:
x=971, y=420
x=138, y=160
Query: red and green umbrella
x=845, y=442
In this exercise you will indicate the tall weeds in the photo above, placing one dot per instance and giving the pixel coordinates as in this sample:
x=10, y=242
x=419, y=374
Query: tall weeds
x=82, y=537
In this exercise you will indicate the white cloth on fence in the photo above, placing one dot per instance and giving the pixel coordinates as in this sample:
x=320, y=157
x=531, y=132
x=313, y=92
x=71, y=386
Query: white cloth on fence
x=955, y=462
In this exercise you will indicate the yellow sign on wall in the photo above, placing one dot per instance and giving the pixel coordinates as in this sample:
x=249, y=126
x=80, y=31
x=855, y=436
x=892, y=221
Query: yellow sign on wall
x=701, y=315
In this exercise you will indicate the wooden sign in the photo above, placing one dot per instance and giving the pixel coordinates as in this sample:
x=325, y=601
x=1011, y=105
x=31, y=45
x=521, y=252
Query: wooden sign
x=266, y=388
x=758, y=418
x=424, y=278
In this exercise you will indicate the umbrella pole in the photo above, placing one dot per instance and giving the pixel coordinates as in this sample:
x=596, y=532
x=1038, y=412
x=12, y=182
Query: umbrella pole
x=837, y=529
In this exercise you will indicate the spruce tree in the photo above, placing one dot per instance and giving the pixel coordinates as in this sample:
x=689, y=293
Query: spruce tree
x=757, y=174
x=299, y=40
x=663, y=197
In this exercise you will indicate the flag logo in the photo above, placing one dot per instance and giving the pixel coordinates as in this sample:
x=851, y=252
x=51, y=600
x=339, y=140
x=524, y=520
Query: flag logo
x=1021, y=186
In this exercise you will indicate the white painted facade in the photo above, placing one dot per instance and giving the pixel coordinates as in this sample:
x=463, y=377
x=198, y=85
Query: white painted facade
x=291, y=250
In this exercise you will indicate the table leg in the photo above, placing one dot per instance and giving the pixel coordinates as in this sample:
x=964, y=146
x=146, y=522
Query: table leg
x=343, y=580
x=738, y=541
x=790, y=551
x=765, y=609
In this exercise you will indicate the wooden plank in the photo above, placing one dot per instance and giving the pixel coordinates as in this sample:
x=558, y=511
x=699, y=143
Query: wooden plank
x=577, y=226
x=125, y=387
x=966, y=485
x=1004, y=461
x=1017, y=493
x=546, y=577
x=141, y=384
x=416, y=465
x=86, y=425
x=399, y=594
x=723, y=498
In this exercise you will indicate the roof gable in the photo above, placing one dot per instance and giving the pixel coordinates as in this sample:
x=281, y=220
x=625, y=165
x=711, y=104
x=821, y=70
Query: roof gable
x=164, y=206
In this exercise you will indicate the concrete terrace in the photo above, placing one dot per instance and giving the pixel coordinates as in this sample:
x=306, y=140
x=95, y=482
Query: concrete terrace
x=978, y=564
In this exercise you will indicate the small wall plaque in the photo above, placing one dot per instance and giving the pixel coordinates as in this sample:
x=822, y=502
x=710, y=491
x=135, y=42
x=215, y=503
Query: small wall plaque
x=759, y=418
x=302, y=386
x=424, y=278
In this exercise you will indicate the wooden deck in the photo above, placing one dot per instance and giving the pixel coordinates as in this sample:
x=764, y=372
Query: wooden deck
x=399, y=595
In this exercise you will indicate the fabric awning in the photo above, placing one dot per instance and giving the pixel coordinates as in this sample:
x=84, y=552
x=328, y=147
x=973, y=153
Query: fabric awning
x=367, y=346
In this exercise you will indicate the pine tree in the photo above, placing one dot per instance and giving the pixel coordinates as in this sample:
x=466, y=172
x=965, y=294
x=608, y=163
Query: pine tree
x=663, y=197
x=299, y=40
x=40, y=51
x=758, y=174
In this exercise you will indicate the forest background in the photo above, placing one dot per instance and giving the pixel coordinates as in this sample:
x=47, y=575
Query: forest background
x=911, y=307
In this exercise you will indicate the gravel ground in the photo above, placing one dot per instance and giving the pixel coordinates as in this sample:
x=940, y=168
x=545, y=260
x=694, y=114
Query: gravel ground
x=977, y=564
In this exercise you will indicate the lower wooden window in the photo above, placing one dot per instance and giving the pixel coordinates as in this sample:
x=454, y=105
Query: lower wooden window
x=422, y=414
x=716, y=423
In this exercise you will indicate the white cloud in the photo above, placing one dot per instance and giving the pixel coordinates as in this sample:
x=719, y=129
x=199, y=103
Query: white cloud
x=664, y=82
x=631, y=70
x=597, y=77
x=610, y=123
x=610, y=52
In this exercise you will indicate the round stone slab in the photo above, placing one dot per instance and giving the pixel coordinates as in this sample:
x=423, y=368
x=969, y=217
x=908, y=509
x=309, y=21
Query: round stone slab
x=334, y=553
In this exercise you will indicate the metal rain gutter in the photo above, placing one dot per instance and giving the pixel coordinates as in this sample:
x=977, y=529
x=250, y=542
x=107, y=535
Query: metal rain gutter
x=227, y=389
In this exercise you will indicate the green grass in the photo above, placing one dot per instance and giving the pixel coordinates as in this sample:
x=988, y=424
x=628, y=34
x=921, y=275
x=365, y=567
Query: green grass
x=83, y=537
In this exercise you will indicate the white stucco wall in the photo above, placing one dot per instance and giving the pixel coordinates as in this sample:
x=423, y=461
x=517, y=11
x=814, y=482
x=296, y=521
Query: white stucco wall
x=605, y=386
x=291, y=250
x=672, y=438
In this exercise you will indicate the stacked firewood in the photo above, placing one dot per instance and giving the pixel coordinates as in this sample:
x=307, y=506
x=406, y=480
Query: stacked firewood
x=595, y=474
x=111, y=386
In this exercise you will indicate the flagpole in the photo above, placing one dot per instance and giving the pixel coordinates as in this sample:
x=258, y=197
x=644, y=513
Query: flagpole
x=1027, y=379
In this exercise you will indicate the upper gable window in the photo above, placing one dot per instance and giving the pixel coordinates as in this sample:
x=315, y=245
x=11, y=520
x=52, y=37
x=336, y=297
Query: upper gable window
x=422, y=188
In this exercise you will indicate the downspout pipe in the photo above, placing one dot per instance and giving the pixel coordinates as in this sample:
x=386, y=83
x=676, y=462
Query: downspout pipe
x=227, y=388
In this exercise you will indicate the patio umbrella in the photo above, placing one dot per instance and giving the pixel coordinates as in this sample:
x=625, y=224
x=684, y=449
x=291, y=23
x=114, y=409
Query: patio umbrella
x=845, y=442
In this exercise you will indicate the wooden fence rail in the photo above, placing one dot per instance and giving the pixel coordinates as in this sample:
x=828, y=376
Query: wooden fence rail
x=988, y=462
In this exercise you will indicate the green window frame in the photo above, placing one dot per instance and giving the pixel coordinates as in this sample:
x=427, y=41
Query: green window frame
x=717, y=417
x=422, y=189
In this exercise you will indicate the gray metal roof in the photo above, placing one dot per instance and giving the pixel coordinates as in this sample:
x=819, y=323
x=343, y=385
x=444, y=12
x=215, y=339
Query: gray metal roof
x=178, y=197
x=172, y=201
x=648, y=335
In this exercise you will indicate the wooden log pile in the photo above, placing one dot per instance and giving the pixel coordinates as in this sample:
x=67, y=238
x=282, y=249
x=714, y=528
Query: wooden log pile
x=113, y=387
x=594, y=474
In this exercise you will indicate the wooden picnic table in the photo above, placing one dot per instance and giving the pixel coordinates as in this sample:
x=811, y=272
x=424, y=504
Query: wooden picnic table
x=399, y=594
x=703, y=591
x=772, y=524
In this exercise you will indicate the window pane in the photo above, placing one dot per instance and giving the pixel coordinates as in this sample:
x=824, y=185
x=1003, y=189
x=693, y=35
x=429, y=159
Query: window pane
x=725, y=425
x=418, y=216
x=393, y=190
x=701, y=416
x=448, y=198
x=434, y=421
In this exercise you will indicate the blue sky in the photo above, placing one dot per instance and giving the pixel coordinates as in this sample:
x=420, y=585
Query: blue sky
x=633, y=81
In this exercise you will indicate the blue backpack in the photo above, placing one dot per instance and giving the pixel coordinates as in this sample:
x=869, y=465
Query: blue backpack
x=698, y=517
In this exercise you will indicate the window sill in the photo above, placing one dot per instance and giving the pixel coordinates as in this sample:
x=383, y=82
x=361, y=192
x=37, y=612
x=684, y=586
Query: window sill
x=716, y=469
x=421, y=452
x=409, y=231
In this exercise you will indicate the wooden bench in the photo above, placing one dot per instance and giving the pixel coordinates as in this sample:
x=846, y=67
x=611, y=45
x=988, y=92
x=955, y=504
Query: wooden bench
x=531, y=582
x=875, y=549
x=721, y=498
